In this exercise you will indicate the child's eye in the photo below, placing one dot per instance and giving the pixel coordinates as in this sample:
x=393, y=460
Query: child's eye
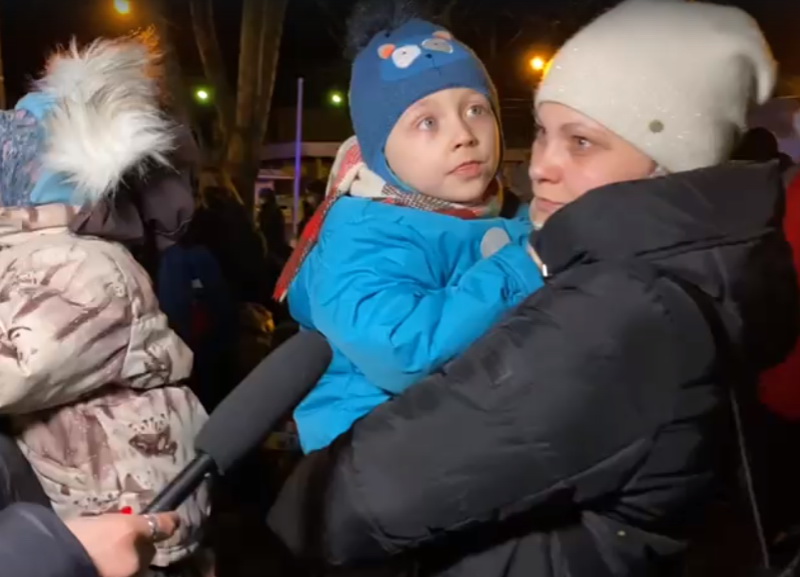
x=476, y=110
x=427, y=124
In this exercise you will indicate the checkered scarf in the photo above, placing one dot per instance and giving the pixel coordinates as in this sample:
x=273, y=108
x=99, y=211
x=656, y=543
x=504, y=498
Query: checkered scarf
x=350, y=176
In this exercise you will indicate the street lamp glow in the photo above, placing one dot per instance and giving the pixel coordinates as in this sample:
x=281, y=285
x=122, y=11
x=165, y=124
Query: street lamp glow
x=537, y=63
x=202, y=95
x=337, y=99
x=122, y=6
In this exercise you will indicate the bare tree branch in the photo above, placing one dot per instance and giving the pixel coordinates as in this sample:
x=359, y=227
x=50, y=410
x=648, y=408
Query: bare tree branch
x=213, y=64
x=178, y=96
x=249, y=57
x=337, y=27
x=445, y=16
x=273, y=34
x=259, y=47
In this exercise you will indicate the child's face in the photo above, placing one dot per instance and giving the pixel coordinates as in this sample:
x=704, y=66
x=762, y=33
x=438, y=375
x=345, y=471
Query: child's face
x=446, y=145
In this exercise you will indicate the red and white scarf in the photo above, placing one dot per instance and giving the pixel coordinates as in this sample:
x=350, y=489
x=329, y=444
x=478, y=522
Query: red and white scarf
x=350, y=176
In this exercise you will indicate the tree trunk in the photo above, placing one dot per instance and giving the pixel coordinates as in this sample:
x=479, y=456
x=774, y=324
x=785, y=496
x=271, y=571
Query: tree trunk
x=243, y=120
x=262, y=29
x=175, y=84
x=237, y=154
x=274, y=15
x=211, y=56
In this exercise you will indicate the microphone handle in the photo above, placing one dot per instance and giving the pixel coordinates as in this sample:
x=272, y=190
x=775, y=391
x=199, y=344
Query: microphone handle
x=182, y=486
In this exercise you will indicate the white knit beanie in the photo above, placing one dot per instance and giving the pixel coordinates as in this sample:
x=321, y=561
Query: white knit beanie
x=675, y=79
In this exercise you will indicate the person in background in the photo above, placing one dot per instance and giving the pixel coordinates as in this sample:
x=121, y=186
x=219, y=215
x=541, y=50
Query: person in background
x=92, y=373
x=391, y=268
x=196, y=297
x=241, y=252
x=249, y=271
x=273, y=227
x=315, y=195
x=587, y=433
x=190, y=285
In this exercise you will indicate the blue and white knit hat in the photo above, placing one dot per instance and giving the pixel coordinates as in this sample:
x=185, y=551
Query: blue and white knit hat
x=93, y=117
x=396, y=69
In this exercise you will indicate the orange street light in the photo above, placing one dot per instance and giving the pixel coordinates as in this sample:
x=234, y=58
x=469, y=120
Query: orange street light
x=537, y=63
x=122, y=7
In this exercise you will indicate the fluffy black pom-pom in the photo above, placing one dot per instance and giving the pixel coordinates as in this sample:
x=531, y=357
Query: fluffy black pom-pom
x=371, y=16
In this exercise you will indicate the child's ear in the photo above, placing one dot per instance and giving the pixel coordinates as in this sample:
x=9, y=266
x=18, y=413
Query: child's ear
x=385, y=51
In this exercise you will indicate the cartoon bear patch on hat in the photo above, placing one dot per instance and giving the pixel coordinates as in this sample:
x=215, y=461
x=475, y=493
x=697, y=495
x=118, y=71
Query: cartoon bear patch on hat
x=406, y=57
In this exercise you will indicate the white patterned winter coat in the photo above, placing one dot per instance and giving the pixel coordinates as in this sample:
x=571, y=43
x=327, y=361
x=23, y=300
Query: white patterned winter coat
x=82, y=332
x=89, y=369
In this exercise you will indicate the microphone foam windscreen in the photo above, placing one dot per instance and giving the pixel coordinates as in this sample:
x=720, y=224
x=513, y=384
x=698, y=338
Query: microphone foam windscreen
x=270, y=391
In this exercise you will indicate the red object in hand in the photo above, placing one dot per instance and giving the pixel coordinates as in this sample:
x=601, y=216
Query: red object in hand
x=126, y=510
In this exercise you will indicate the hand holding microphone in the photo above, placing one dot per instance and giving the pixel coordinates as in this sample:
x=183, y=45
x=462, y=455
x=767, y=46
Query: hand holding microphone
x=122, y=545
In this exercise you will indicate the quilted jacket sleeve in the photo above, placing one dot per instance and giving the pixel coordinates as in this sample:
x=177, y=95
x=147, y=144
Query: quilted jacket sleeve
x=77, y=314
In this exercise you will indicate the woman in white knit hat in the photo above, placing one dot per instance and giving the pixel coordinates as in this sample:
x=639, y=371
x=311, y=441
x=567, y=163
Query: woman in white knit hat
x=585, y=434
x=652, y=87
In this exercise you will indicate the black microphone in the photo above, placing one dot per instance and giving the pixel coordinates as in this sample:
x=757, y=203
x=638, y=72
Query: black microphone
x=247, y=415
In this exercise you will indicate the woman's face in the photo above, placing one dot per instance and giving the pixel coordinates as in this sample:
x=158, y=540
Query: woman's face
x=572, y=154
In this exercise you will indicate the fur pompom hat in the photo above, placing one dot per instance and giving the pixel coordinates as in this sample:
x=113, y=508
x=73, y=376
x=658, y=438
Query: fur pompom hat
x=94, y=116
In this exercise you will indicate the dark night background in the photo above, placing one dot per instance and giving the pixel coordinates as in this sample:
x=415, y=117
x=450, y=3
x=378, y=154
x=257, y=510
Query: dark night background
x=503, y=32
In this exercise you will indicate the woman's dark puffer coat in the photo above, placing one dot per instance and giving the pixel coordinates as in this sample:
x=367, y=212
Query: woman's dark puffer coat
x=579, y=436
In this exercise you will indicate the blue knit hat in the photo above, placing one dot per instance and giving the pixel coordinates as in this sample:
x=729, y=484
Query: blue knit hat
x=396, y=69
